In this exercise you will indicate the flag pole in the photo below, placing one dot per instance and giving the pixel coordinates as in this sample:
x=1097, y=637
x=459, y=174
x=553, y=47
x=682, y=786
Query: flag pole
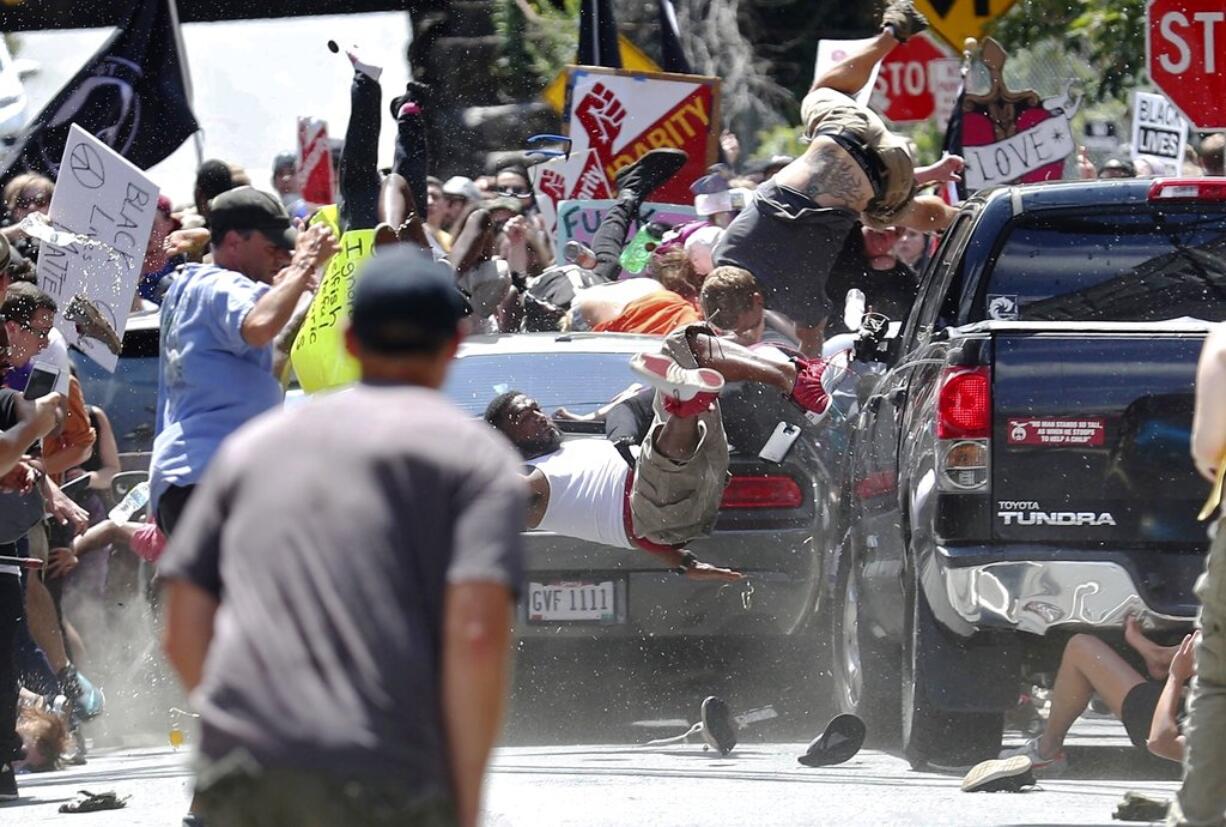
x=185, y=70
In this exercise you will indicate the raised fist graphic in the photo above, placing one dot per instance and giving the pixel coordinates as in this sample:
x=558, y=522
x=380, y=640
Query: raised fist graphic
x=601, y=115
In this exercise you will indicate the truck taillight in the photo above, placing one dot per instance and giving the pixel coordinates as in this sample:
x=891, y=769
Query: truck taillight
x=762, y=492
x=964, y=430
x=1188, y=189
x=964, y=404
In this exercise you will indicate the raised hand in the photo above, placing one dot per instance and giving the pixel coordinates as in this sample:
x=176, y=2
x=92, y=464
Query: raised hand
x=601, y=114
x=706, y=571
x=1183, y=665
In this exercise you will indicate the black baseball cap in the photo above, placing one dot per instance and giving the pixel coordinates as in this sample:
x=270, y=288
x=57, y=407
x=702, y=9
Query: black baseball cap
x=246, y=208
x=405, y=302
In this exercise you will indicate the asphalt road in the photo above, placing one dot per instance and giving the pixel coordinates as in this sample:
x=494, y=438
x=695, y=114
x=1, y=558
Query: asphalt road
x=619, y=784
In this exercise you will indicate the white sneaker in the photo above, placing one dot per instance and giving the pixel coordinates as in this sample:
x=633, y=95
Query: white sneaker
x=1041, y=765
x=672, y=380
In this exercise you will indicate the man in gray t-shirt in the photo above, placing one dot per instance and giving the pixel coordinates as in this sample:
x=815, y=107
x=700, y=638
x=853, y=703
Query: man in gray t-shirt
x=349, y=568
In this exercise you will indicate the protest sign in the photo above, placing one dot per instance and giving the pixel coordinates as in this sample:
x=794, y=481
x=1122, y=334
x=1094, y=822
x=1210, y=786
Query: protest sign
x=614, y=117
x=318, y=354
x=103, y=197
x=557, y=180
x=1014, y=136
x=315, y=179
x=1159, y=133
x=578, y=220
x=832, y=52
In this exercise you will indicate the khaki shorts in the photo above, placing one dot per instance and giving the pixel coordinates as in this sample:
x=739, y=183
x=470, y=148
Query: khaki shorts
x=675, y=501
x=828, y=109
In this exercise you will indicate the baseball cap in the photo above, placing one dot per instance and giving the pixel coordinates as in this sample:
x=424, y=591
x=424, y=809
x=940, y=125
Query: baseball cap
x=284, y=160
x=246, y=208
x=463, y=187
x=405, y=302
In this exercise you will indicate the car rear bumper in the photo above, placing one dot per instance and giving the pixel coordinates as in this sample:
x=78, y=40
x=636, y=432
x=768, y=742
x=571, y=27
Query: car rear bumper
x=652, y=602
x=1035, y=595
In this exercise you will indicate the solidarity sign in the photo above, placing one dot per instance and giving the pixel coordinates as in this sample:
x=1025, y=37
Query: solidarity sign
x=614, y=117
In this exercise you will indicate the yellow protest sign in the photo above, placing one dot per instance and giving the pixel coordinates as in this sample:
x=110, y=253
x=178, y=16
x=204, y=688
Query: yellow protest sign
x=318, y=353
x=633, y=58
x=956, y=20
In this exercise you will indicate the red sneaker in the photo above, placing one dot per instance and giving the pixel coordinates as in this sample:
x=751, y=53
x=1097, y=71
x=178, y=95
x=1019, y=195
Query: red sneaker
x=689, y=407
x=809, y=392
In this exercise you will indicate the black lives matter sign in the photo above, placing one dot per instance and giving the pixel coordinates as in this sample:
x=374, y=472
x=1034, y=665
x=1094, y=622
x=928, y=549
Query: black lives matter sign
x=1159, y=132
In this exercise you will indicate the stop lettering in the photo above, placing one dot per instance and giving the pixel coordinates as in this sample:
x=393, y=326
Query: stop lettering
x=1185, y=46
x=905, y=81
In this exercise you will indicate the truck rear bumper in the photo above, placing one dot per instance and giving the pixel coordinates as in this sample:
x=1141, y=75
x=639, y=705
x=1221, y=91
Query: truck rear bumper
x=1037, y=595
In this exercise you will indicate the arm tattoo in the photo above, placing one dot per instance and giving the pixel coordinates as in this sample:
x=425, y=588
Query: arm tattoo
x=836, y=176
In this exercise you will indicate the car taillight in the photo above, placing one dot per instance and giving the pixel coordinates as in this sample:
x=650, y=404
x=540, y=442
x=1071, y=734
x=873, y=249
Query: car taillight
x=1188, y=189
x=762, y=492
x=964, y=404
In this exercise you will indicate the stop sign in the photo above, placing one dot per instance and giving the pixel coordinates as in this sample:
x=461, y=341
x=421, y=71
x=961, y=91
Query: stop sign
x=1185, y=46
x=908, y=80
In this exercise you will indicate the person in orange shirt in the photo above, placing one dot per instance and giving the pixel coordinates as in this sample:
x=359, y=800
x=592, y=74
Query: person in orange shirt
x=663, y=311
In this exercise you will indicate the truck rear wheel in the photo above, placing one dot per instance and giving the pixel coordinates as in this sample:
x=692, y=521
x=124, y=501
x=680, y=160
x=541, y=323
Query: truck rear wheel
x=932, y=735
x=865, y=668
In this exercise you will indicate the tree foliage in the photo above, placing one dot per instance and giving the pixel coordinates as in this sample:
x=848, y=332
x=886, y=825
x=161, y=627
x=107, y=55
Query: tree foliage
x=1108, y=34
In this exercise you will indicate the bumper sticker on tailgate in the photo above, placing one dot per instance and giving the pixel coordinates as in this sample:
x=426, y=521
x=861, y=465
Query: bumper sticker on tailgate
x=1058, y=431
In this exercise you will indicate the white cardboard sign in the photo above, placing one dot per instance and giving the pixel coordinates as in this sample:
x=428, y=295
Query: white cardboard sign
x=1159, y=133
x=101, y=195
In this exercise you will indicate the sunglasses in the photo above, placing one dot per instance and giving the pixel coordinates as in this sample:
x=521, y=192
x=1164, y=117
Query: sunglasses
x=514, y=192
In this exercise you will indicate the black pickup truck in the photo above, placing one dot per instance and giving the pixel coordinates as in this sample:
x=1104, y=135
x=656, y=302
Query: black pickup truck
x=1020, y=470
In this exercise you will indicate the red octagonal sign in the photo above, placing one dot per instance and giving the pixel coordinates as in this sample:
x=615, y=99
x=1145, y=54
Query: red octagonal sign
x=907, y=83
x=1185, y=46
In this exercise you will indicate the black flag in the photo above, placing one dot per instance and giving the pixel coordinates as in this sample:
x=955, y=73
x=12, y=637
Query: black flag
x=598, y=35
x=955, y=193
x=672, y=56
x=130, y=95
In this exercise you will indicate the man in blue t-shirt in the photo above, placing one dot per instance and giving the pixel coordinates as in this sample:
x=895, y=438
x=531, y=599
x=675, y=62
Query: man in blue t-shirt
x=219, y=322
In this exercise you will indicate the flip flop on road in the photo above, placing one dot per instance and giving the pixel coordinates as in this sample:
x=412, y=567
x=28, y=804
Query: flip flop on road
x=87, y=802
x=1012, y=775
x=839, y=742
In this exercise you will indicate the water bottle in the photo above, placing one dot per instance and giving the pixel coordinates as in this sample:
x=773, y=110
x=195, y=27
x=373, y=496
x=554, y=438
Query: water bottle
x=638, y=252
x=137, y=499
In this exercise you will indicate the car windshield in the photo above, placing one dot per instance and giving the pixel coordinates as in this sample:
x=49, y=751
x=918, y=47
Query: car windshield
x=579, y=382
x=129, y=395
x=1114, y=267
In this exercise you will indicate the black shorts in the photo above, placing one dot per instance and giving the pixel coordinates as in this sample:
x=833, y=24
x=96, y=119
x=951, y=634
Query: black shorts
x=1137, y=712
x=790, y=245
x=170, y=507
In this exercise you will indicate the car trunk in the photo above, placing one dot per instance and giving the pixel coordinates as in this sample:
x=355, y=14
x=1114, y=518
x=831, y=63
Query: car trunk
x=1091, y=434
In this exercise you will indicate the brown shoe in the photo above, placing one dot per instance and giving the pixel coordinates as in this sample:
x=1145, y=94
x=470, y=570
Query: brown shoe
x=904, y=19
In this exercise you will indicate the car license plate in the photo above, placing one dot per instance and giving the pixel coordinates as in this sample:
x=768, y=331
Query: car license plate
x=572, y=600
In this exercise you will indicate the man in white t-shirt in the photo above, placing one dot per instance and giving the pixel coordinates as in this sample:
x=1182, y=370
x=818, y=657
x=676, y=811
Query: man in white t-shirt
x=670, y=494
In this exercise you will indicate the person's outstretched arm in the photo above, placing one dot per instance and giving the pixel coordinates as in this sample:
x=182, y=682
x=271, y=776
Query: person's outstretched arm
x=272, y=311
x=1165, y=739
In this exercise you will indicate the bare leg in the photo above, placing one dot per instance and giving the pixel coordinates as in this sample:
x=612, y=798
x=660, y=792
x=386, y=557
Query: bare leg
x=1089, y=666
x=398, y=208
x=851, y=75
x=737, y=363
x=44, y=624
x=678, y=438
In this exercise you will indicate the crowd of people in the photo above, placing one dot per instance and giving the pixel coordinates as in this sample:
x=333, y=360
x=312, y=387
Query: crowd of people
x=315, y=677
